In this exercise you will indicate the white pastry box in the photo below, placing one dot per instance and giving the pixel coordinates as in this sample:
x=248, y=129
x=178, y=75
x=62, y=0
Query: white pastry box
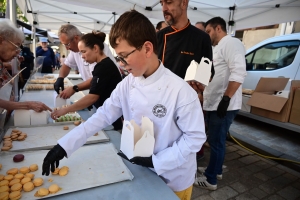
x=22, y=117
x=199, y=72
x=58, y=102
x=137, y=141
x=38, y=118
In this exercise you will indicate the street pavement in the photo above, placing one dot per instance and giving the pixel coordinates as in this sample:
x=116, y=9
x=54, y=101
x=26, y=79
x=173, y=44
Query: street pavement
x=249, y=176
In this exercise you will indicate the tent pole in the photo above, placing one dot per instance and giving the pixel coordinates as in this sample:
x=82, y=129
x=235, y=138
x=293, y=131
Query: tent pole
x=13, y=11
x=283, y=29
x=33, y=40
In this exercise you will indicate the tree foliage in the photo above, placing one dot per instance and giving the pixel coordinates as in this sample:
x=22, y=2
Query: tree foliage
x=20, y=14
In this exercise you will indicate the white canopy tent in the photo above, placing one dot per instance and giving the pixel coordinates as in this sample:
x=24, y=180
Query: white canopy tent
x=101, y=14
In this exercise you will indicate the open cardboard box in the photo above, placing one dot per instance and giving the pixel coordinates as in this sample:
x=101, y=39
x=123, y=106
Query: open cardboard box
x=199, y=72
x=137, y=141
x=263, y=102
x=295, y=110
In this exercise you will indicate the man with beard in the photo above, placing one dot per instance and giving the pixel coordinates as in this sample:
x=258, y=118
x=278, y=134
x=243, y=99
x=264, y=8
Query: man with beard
x=181, y=42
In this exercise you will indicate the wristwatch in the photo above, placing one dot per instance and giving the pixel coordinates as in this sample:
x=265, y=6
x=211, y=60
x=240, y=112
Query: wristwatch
x=75, y=88
x=226, y=98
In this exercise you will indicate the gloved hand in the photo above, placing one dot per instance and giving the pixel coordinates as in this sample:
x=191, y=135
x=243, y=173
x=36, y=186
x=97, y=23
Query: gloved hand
x=53, y=156
x=222, y=107
x=143, y=161
x=59, y=84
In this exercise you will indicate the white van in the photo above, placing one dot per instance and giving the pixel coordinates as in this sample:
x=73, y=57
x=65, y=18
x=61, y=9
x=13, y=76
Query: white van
x=274, y=57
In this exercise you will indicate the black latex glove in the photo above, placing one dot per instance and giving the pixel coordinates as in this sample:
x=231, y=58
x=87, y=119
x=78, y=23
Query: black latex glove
x=59, y=84
x=120, y=153
x=53, y=156
x=143, y=161
x=222, y=107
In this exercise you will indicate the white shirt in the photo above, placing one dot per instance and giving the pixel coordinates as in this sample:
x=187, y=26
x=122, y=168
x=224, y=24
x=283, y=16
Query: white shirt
x=75, y=61
x=173, y=107
x=229, y=63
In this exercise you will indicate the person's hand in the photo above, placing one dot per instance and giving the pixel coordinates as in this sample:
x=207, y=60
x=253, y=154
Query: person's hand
x=38, y=106
x=222, y=107
x=198, y=87
x=67, y=93
x=57, y=113
x=53, y=157
x=143, y=161
x=59, y=84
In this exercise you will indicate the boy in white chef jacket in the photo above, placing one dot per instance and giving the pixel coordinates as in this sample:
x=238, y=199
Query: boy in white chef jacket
x=149, y=90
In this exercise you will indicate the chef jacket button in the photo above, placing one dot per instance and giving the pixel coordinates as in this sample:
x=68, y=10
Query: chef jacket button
x=159, y=88
x=132, y=109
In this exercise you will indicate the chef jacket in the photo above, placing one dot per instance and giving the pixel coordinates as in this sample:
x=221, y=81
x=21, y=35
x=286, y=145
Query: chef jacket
x=229, y=63
x=177, y=48
x=173, y=107
x=75, y=61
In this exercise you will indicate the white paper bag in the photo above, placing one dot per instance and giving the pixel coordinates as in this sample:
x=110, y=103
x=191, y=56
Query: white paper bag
x=38, y=118
x=58, y=102
x=199, y=72
x=22, y=117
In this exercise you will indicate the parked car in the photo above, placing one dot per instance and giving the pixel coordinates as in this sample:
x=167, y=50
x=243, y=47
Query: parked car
x=275, y=57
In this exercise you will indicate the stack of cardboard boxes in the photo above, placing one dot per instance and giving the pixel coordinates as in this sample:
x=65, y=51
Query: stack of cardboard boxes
x=270, y=101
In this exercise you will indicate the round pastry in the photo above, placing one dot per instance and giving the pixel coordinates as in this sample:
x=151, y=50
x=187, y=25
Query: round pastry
x=43, y=192
x=76, y=123
x=33, y=167
x=14, y=136
x=18, y=158
x=19, y=176
x=53, y=188
x=27, y=187
x=24, y=134
x=12, y=171
x=14, y=181
x=4, y=188
x=1, y=177
x=16, y=187
x=4, y=182
x=0, y=166
x=14, y=133
x=66, y=128
x=38, y=182
x=5, y=148
x=15, y=195
x=7, y=139
x=4, y=195
x=21, y=138
x=29, y=175
x=6, y=136
x=24, y=170
x=15, y=130
x=9, y=177
x=25, y=180
x=63, y=171
x=55, y=171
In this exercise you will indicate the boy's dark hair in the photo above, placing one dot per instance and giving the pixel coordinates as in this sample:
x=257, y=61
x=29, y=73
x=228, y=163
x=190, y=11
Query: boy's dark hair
x=135, y=28
x=94, y=38
x=159, y=25
x=202, y=23
x=214, y=22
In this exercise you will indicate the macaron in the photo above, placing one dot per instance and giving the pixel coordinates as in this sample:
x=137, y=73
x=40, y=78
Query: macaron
x=4, y=195
x=27, y=187
x=5, y=148
x=9, y=177
x=16, y=187
x=24, y=134
x=1, y=177
x=53, y=188
x=24, y=170
x=19, y=176
x=29, y=175
x=63, y=171
x=12, y=171
x=55, y=171
x=33, y=167
x=4, y=188
x=38, y=182
x=15, y=130
x=15, y=195
x=42, y=192
x=21, y=138
x=25, y=180
x=14, y=181
x=6, y=136
x=0, y=166
x=4, y=182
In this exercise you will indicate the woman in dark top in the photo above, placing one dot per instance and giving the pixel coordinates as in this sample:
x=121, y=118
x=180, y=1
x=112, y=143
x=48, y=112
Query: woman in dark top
x=106, y=76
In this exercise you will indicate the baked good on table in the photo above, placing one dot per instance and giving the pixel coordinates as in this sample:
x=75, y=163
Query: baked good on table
x=42, y=192
x=16, y=187
x=53, y=188
x=27, y=187
x=4, y=182
x=1, y=177
x=38, y=182
x=4, y=195
x=14, y=181
x=55, y=171
x=25, y=180
x=33, y=167
x=19, y=176
x=4, y=188
x=12, y=171
x=15, y=195
x=66, y=128
x=9, y=177
x=29, y=175
x=24, y=170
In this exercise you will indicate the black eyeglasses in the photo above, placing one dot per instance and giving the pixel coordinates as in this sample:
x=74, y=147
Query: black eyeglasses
x=122, y=59
x=18, y=49
x=68, y=45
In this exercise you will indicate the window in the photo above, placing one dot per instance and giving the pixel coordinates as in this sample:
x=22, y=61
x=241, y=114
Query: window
x=272, y=56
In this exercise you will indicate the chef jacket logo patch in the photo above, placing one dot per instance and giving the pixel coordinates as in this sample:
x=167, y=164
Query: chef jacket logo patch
x=159, y=110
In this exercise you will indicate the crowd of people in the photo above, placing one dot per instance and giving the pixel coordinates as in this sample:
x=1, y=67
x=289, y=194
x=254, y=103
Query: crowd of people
x=156, y=60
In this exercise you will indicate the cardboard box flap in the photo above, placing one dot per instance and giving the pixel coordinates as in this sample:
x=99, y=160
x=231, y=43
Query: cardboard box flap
x=267, y=102
x=271, y=84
